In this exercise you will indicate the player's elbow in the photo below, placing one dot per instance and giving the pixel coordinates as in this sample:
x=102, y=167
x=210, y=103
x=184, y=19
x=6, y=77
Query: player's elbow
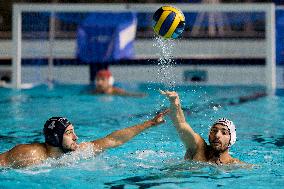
x=112, y=142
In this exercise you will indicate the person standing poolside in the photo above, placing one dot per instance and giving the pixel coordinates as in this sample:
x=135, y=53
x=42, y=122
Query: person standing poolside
x=60, y=138
x=221, y=137
x=104, y=85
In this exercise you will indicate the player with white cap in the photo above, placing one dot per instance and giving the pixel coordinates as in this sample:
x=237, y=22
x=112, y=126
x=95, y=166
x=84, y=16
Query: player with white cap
x=222, y=136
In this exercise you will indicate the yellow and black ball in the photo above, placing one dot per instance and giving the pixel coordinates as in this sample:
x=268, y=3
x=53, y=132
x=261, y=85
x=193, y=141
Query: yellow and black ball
x=168, y=22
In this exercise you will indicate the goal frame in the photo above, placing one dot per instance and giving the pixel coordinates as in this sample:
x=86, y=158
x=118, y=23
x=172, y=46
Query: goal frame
x=268, y=8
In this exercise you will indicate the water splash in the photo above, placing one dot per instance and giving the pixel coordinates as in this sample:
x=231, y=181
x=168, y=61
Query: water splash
x=166, y=63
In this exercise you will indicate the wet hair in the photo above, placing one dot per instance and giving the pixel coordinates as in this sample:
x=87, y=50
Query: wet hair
x=54, y=129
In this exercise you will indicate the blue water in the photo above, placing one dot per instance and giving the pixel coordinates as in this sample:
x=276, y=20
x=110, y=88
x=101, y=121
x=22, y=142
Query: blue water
x=153, y=159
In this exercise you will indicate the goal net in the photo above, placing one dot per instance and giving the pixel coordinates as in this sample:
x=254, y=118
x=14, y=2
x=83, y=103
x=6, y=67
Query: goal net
x=222, y=44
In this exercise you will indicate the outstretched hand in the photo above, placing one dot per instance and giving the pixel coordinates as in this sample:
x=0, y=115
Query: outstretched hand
x=159, y=118
x=172, y=96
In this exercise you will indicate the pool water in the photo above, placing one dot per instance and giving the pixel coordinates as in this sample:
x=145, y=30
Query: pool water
x=153, y=159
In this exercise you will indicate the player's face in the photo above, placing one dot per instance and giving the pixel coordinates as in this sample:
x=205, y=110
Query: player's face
x=69, y=139
x=102, y=83
x=219, y=137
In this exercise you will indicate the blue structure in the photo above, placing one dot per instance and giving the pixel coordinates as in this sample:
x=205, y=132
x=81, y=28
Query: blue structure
x=278, y=2
x=280, y=37
x=105, y=37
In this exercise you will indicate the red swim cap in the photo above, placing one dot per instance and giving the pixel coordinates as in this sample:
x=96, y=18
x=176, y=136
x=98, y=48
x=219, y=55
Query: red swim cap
x=104, y=73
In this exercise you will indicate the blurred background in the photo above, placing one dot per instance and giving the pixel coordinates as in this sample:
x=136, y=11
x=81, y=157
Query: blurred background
x=6, y=12
x=211, y=43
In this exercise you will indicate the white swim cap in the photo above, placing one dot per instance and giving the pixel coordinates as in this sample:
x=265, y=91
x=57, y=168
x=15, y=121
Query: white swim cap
x=111, y=80
x=232, y=128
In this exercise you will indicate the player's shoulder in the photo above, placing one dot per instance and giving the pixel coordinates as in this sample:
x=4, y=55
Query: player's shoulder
x=236, y=161
x=118, y=90
x=28, y=148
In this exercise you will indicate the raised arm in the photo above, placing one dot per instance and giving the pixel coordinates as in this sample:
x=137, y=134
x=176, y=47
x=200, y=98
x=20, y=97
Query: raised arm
x=120, y=137
x=190, y=139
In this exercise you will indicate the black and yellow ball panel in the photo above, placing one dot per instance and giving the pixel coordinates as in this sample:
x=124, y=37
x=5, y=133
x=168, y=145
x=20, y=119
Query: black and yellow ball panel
x=169, y=22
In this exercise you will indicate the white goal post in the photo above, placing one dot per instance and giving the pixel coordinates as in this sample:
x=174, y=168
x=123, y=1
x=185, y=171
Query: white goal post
x=18, y=9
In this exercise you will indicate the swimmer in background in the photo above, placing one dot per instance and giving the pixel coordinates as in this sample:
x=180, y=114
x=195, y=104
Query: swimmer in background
x=5, y=81
x=60, y=138
x=222, y=136
x=104, y=85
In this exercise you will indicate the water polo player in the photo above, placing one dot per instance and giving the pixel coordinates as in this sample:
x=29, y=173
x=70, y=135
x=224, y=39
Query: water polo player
x=221, y=137
x=104, y=85
x=60, y=138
